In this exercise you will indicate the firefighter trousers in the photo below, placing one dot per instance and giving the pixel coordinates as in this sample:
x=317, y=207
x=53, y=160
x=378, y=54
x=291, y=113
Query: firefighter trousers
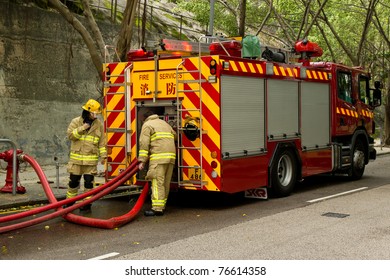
x=74, y=184
x=160, y=185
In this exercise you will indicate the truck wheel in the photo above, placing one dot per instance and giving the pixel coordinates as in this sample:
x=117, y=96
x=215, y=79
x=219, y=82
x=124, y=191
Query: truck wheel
x=358, y=161
x=283, y=174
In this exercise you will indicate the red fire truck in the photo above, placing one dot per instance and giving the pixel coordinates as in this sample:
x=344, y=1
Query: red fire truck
x=244, y=123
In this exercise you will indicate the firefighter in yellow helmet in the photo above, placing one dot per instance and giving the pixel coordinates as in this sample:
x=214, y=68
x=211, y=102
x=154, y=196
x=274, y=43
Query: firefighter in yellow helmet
x=88, y=143
x=157, y=145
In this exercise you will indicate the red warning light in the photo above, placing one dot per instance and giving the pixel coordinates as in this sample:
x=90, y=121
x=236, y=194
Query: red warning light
x=138, y=54
x=232, y=47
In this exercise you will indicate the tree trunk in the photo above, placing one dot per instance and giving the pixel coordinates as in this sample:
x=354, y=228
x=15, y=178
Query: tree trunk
x=387, y=114
x=143, y=24
x=126, y=30
x=94, y=27
x=314, y=20
x=241, y=27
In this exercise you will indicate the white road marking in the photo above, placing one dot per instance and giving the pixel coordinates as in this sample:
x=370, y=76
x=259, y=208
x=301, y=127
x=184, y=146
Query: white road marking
x=336, y=195
x=106, y=256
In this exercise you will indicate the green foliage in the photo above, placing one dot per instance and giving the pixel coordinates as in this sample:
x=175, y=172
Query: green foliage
x=172, y=17
x=200, y=9
x=119, y=14
x=224, y=19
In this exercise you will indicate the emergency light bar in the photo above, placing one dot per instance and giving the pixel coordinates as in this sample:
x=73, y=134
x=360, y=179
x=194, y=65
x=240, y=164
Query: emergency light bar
x=178, y=45
x=139, y=54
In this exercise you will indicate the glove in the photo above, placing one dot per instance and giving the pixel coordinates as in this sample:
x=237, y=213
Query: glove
x=88, y=121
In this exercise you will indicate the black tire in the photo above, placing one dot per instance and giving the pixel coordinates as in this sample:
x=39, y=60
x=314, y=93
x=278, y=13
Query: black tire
x=283, y=174
x=358, y=160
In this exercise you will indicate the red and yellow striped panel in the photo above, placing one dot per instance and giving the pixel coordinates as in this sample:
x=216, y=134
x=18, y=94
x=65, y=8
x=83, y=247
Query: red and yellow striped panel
x=211, y=121
x=246, y=67
x=286, y=71
x=353, y=113
x=347, y=112
x=368, y=114
x=114, y=117
x=317, y=75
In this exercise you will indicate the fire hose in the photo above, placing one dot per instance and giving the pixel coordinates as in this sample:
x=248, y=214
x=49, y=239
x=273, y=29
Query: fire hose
x=97, y=193
x=54, y=203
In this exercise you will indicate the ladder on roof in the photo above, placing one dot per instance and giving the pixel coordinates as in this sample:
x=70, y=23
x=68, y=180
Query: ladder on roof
x=189, y=83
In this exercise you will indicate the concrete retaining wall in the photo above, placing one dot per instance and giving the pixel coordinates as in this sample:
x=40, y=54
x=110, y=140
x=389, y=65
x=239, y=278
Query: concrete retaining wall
x=46, y=74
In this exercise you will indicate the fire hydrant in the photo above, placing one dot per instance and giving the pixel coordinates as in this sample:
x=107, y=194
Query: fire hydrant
x=8, y=157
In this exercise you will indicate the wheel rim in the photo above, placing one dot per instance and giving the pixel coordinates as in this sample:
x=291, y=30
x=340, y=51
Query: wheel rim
x=285, y=167
x=358, y=159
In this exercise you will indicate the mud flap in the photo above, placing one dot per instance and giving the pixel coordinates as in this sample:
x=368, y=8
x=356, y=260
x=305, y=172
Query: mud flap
x=372, y=153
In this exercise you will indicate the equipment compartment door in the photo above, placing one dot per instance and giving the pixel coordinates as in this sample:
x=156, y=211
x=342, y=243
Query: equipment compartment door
x=242, y=116
x=283, y=109
x=315, y=128
x=315, y=123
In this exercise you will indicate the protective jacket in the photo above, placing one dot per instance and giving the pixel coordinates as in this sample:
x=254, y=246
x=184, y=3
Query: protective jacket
x=86, y=145
x=157, y=142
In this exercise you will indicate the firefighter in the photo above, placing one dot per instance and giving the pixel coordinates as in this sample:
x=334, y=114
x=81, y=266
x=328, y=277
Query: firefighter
x=88, y=142
x=157, y=145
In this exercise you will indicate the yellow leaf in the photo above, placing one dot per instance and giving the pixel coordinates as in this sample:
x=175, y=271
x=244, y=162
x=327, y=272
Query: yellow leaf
x=4, y=250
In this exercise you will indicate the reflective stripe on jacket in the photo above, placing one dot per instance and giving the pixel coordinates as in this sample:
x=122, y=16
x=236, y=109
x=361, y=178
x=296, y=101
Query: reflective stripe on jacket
x=157, y=141
x=86, y=145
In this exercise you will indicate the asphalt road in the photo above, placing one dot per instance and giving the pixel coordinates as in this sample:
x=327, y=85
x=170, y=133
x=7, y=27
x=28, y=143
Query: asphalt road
x=198, y=226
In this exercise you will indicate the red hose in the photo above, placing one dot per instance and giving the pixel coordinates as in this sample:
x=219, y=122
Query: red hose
x=123, y=177
x=113, y=222
x=52, y=198
x=60, y=211
x=42, y=177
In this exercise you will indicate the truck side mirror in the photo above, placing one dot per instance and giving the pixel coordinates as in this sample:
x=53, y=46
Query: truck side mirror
x=378, y=84
x=377, y=94
x=377, y=97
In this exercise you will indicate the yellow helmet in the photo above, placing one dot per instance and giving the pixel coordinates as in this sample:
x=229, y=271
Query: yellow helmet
x=92, y=106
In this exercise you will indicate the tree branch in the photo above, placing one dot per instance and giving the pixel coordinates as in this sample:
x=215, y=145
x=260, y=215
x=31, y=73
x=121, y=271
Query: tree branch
x=381, y=30
x=369, y=14
x=285, y=27
x=126, y=32
x=328, y=45
x=64, y=11
x=304, y=19
x=353, y=59
x=267, y=16
x=94, y=27
x=321, y=8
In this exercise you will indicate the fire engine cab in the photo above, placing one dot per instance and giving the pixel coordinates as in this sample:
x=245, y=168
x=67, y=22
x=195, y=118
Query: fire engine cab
x=243, y=122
